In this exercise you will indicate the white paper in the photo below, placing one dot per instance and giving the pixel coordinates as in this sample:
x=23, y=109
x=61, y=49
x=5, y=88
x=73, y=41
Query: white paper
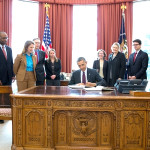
x=76, y=86
x=99, y=88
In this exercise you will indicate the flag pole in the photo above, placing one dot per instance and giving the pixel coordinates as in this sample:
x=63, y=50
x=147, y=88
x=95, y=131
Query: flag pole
x=47, y=6
x=122, y=39
x=123, y=7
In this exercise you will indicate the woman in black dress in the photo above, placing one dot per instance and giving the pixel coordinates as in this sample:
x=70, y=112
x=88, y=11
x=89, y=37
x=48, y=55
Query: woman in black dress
x=116, y=65
x=53, y=68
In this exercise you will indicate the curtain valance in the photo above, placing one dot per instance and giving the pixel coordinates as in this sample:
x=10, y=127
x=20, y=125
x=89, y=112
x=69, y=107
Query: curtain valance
x=71, y=2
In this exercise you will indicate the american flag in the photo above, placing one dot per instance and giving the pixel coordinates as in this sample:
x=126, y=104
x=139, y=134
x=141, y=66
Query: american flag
x=122, y=38
x=123, y=41
x=47, y=43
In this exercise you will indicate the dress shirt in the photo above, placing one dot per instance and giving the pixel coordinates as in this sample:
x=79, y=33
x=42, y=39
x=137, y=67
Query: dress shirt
x=29, y=62
x=136, y=53
x=101, y=63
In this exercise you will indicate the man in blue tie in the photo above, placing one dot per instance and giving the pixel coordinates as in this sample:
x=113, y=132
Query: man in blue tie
x=86, y=76
x=40, y=73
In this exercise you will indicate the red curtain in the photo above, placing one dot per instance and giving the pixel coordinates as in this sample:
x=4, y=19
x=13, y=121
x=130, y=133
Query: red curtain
x=109, y=24
x=6, y=18
x=61, y=22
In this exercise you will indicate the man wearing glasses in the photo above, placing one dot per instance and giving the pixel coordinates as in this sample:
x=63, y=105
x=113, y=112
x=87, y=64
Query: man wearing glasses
x=138, y=62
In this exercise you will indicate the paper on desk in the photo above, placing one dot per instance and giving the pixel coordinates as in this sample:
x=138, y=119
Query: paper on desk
x=99, y=88
x=76, y=86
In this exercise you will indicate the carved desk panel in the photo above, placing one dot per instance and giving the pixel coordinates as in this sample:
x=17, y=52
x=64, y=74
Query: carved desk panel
x=60, y=118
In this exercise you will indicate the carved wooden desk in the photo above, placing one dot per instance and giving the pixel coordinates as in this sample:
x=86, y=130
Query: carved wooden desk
x=59, y=118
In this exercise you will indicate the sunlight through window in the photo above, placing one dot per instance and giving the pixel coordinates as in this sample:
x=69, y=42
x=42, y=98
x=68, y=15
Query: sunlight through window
x=24, y=24
x=141, y=25
x=84, y=34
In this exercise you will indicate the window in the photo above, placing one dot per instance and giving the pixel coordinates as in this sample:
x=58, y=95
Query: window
x=84, y=34
x=141, y=26
x=24, y=24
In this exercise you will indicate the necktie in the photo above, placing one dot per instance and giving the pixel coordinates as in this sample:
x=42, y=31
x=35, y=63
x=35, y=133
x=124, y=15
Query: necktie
x=134, y=56
x=36, y=53
x=83, y=78
x=4, y=52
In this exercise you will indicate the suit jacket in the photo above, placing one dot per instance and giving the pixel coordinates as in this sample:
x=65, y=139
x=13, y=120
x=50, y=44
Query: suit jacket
x=96, y=65
x=139, y=67
x=92, y=76
x=6, y=67
x=57, y=69
x=40, y=74
x=116, y=67
x=20, y=65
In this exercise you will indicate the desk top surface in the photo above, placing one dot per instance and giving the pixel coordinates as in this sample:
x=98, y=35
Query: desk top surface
x=66, y=92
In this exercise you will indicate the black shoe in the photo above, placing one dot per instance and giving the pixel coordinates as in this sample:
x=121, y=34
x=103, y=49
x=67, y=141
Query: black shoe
x=1, y=121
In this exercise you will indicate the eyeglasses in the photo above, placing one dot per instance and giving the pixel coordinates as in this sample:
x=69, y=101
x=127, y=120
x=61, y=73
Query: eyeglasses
x=4, y=38
x=136, y=44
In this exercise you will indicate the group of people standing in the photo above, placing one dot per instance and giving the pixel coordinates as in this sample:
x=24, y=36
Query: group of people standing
x=107, y=72
x=117, y=65
x=30, y=66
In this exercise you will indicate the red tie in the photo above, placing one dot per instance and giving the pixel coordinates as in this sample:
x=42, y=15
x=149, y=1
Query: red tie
x=83, y=78
x=134, y=56
x=4, y=52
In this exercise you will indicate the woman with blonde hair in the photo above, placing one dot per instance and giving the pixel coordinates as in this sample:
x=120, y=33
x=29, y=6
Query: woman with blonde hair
x=53, y=68
x=24, y=67
x=101, y=64
x=116, y=65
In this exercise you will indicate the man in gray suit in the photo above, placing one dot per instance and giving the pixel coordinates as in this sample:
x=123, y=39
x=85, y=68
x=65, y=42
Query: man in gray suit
x=86, y=76
x=40, y=73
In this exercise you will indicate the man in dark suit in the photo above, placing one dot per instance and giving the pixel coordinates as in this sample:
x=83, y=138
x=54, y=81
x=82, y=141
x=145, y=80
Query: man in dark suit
x=86, y=76
x=6, y=62
x=40, y=73
x=138, y=62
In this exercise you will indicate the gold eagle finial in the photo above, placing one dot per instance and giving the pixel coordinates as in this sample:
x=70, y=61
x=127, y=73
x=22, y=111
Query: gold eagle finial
x=47, y=6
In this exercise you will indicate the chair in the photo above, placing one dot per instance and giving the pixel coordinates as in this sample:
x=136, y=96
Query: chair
x=5, y=103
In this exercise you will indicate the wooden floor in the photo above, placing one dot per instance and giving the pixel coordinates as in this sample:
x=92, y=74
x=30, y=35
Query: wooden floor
x=6, y=135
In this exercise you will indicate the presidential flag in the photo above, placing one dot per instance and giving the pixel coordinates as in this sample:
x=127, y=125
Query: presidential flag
x=122, y=38
x=47, y=43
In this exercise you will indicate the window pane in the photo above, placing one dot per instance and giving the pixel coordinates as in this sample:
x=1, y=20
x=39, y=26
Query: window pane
x=24, y=24
x=141, y=26
x=84, y=34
